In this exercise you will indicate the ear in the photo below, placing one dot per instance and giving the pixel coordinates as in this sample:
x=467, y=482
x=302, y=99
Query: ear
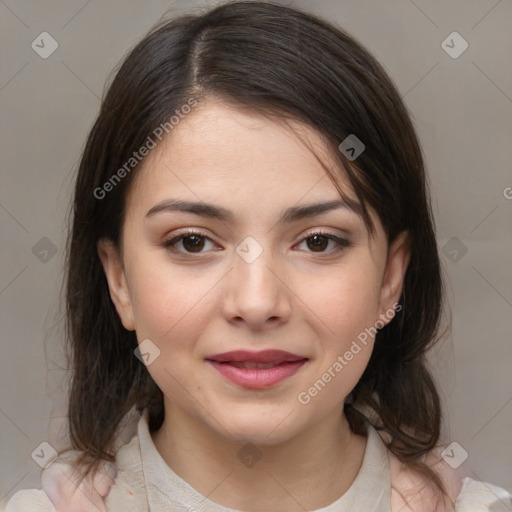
x=117, y=284
x=399, y=255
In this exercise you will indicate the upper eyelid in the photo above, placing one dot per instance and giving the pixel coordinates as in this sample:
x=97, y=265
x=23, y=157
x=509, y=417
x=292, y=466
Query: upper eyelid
x=309, y=233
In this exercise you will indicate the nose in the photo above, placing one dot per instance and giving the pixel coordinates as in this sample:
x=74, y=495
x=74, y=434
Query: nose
x=256, y=294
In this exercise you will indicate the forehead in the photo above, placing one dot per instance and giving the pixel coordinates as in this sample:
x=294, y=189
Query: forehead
x=219, y=151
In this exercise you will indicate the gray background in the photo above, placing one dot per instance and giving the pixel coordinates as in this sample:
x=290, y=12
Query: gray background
x=461, y=107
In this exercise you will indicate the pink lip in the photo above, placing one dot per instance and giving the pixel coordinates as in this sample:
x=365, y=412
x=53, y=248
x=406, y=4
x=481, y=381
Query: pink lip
x=286, y=365
x=263, y=356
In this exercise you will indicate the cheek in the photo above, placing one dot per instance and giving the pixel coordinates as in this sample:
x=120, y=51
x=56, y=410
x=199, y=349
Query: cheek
x=169, y=302
x=346, y=309
x=170, y=309
x=348, y=301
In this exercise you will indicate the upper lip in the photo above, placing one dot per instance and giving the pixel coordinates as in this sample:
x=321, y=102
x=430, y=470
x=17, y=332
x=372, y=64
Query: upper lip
x=263, y=356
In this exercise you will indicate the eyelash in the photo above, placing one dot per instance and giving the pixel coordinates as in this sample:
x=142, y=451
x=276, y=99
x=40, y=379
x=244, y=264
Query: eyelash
x=341, y=243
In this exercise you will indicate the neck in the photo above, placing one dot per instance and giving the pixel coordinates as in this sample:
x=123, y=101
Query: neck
x=307, y=472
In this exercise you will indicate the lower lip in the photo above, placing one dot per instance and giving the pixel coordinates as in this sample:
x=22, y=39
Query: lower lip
x=258, y=378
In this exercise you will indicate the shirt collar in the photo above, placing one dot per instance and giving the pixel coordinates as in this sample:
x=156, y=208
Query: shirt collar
x=370, y=491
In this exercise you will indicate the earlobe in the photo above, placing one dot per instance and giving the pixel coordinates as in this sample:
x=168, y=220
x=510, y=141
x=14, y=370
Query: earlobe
x=399, y=255
x=117, y=284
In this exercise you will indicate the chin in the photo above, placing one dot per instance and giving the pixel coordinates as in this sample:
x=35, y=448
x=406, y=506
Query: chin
x=261, y=430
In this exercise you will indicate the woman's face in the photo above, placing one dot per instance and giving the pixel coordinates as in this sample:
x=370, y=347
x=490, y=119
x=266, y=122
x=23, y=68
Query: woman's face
x=252, y=276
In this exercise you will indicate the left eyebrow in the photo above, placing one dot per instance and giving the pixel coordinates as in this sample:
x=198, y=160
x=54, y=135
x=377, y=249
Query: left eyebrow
x=291, y=214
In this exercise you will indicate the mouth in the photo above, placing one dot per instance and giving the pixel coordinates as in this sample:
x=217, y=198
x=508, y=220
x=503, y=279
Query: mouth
x=257, y=370
x=250, y=365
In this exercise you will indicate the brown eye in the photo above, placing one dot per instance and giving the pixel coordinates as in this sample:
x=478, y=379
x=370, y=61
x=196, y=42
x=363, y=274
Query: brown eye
x=191, y=243
x=318, y=242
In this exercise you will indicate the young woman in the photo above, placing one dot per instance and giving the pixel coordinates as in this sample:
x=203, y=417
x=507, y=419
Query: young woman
x=253, y=283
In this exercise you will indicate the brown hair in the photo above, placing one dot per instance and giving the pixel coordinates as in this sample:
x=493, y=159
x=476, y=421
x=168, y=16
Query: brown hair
x=283, y=62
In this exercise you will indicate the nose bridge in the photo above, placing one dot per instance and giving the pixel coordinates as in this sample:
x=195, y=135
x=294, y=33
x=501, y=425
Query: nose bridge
x=256, y=292
x=251, y=268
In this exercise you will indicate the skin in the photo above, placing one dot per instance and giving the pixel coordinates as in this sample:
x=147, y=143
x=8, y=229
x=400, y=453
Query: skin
x=298, y=297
